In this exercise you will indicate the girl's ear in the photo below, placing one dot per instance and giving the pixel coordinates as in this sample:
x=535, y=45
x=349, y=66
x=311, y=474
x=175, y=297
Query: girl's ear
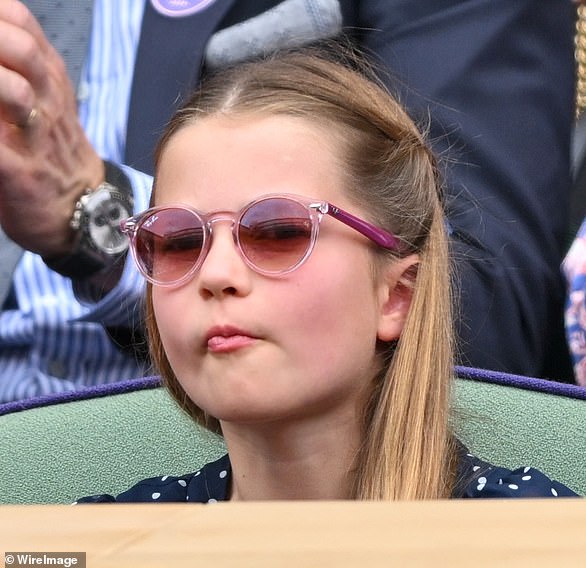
x=396, y=285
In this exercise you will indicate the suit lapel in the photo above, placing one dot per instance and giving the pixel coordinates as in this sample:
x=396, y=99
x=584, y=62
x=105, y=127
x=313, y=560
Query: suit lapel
x=168, y=66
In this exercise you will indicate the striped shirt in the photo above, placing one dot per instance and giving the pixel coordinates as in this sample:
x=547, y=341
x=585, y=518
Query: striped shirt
x=49, y=341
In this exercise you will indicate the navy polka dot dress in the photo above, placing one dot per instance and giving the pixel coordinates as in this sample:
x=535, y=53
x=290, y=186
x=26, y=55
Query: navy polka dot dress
x=477, y=479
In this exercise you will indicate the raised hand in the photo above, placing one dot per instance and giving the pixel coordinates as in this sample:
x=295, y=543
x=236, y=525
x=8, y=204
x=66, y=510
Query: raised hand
x=46, y=161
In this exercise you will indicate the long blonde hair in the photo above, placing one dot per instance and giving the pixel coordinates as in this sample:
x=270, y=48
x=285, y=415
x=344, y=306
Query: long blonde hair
x=408, y=449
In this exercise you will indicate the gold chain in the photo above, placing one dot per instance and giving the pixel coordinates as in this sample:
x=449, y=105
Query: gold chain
x=580, y=54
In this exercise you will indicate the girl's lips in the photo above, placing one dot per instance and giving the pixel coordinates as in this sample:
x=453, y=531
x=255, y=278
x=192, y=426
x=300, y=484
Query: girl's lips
x=224, y=339
x=227, y=344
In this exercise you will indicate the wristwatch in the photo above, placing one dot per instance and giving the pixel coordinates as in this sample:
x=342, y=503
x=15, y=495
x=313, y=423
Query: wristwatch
x=96, y=222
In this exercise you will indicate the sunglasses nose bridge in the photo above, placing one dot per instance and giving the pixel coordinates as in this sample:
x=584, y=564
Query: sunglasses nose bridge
x=220, y=218
x=223, y=217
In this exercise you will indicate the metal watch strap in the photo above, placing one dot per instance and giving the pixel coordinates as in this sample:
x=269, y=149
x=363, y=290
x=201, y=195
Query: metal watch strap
x=86, y=260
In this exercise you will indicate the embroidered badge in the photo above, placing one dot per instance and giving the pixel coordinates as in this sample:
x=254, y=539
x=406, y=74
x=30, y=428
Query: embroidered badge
x=180, y=8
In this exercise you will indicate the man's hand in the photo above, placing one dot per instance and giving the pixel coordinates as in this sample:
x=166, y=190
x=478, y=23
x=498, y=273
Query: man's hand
x=46, y=161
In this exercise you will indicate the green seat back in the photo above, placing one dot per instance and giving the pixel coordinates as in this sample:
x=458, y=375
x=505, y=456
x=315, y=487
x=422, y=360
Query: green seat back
x=514, y=427
x=57, y=452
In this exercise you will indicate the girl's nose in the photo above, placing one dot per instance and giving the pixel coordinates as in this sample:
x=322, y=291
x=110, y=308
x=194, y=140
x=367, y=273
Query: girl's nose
x=223, y=271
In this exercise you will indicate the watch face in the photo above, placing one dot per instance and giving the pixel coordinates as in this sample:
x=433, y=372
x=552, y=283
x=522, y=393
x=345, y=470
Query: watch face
x=105, y=211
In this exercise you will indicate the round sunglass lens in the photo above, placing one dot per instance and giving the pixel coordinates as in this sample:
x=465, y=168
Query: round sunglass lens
x=169, y=243
x=275, y=234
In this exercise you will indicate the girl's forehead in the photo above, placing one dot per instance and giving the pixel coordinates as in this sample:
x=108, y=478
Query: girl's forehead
x=252, y=124
x=226, y=161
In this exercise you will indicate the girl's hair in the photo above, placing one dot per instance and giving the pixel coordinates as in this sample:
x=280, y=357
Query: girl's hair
x=408, y=450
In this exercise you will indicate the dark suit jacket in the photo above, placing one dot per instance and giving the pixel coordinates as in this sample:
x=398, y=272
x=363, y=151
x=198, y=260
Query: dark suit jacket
x=496, y=77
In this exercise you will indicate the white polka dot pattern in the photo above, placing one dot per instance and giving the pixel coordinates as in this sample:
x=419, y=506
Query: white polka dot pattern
x=477, y=479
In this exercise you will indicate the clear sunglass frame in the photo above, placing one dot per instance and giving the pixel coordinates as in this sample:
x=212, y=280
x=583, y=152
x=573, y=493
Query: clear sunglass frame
x=315, y=209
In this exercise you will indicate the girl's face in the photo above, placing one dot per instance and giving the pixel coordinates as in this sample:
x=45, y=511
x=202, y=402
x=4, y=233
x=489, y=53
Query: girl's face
x=248, y=348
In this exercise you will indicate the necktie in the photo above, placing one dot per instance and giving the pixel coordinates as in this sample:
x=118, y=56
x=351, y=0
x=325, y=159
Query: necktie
x=67, y=25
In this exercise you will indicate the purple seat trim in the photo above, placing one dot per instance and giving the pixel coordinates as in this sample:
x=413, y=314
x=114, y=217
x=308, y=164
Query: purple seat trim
x=522, y=382
x=82, y=394
x=470, y=373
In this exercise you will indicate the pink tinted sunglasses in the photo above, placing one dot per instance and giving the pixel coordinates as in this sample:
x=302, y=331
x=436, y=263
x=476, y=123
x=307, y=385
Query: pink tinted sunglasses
x=275, y=234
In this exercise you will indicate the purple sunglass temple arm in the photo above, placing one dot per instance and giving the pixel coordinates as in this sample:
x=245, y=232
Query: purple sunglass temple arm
x=376, y=234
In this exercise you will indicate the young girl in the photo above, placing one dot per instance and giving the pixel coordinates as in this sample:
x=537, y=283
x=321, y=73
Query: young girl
x=298, y=293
